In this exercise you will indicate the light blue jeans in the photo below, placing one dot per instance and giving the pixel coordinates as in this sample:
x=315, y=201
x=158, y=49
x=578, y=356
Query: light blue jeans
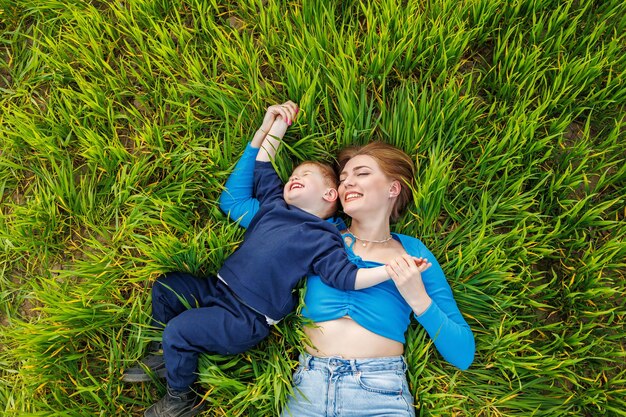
x=335, y=387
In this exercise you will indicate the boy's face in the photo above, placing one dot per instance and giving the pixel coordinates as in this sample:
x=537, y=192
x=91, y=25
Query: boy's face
x=306, y=186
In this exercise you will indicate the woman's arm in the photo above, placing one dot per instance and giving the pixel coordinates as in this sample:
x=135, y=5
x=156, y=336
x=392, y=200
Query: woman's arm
x=431, y=299
x=282, y=117
x=237, y=199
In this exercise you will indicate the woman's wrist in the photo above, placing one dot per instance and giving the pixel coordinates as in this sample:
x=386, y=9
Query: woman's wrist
x=259, y=136
x=421, y=305
x=266, y=126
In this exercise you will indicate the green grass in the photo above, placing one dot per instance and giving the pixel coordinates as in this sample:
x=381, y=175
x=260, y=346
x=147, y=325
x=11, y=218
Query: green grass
x=120, y=121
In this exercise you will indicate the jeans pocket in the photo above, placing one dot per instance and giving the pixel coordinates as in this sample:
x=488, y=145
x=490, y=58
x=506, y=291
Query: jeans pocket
x=388, y=382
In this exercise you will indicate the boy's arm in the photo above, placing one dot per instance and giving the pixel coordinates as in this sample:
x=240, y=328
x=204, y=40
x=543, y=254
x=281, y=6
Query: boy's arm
x=267, y=185
x=335, y=268
x=365, y=277
x=237, y=200
x=368, y=277
x=344, y=275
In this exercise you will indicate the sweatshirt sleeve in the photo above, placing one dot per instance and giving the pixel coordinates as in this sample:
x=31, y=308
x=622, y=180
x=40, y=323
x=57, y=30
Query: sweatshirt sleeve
x=267, y=185
x=237, y=200
x=332, y=264
x=443, y=321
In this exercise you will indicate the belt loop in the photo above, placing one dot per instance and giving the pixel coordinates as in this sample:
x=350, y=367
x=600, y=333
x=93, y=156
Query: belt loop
x=306, y=360
x=353, y=365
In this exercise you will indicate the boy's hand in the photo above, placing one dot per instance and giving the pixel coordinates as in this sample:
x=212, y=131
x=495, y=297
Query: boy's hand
x=422, y=263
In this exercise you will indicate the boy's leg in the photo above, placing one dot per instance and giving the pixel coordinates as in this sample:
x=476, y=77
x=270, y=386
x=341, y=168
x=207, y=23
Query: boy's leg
x=171, y=293
x=175, y=292
x=224, y=325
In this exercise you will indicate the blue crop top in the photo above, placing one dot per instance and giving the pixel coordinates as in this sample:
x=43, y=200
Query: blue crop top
x=380, y=309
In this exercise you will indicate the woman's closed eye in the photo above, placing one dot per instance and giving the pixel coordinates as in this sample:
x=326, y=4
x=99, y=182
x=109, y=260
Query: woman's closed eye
x=358, y=174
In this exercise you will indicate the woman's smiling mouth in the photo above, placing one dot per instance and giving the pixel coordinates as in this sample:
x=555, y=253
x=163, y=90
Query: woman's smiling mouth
x=352, y=196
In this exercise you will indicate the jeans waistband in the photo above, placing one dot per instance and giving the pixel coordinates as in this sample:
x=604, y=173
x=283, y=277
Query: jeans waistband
x=338, y=364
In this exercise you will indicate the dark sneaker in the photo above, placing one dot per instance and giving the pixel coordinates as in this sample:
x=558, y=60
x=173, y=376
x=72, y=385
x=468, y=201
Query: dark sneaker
x=151, y=367
x=176, y=404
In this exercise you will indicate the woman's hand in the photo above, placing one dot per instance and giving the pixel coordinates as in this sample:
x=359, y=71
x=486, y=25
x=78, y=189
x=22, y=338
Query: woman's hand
x=278, y=118
x=285, y=112
x=406, y=273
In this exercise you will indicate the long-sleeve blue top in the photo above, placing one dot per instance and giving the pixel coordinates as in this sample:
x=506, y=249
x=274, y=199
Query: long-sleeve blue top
x=380, y=309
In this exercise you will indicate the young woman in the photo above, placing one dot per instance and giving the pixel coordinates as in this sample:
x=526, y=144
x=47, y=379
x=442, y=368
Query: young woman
x=353, y=365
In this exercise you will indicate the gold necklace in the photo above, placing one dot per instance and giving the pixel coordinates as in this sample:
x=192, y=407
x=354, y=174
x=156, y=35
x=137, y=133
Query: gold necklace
x=365, y=241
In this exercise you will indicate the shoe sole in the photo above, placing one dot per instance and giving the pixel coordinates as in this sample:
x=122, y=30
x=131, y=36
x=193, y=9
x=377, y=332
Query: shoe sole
x=196, y=410
x=160, y=374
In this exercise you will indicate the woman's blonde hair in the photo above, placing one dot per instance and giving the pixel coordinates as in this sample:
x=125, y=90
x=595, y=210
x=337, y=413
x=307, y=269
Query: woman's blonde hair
x=394, y=163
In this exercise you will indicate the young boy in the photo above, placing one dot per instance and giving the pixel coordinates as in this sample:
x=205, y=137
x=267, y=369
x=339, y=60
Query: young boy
x=286, y=240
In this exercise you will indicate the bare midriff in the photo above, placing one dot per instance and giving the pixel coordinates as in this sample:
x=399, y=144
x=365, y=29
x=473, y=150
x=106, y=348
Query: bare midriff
x=346, y=338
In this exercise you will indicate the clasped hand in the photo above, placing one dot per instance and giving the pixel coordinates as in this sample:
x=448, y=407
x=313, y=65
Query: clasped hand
x=285, y=112
x=406, y=273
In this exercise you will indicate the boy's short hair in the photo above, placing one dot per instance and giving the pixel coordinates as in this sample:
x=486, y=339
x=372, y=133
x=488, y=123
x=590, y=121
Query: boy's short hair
x=328, y=172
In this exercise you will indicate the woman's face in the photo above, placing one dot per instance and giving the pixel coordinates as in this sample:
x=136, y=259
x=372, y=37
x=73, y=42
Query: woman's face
x=364, y=188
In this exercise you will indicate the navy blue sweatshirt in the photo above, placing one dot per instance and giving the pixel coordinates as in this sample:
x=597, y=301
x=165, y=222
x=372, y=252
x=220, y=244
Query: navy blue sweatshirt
x=281, y=245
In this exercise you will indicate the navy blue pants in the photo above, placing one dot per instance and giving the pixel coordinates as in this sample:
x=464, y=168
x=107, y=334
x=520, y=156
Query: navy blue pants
x=217, y=322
